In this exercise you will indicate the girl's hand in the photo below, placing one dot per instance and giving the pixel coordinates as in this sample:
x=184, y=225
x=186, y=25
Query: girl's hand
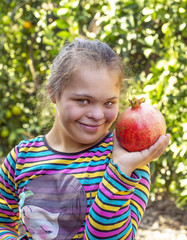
x=129, y=161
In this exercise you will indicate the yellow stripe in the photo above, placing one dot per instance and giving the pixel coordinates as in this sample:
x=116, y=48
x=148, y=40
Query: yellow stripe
x=145, y=168
x=137, y=206
x=59, y=161
x=106, y=144
x=123, y=179
x=107, y=207
x=113, y=189
x=107, y=227
x=134, y=223
x=7, y=190
x=127, y=234
x=11, y=217
x=143, y=188
x=90, y=175
x=7, y=173
x=13, y=154
x=34, y=149
x=93, y=194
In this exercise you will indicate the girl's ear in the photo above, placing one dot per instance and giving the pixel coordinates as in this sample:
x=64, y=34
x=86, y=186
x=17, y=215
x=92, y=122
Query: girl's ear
x=53, y=99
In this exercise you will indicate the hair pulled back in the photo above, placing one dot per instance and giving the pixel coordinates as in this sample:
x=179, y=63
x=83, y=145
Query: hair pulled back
x=78, y=55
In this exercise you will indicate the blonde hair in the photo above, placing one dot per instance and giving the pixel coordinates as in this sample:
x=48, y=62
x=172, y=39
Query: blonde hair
x=79, y=54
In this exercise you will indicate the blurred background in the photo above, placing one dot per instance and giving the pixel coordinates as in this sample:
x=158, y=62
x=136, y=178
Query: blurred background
x=150, y=36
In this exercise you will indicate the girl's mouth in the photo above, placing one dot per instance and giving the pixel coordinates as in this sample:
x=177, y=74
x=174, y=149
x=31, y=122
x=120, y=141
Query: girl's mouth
x=91, y=128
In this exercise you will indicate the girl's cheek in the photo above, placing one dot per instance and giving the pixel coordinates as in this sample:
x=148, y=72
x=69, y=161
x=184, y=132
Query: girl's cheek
x=26, y=221
x=40, y=233
x=112, y=115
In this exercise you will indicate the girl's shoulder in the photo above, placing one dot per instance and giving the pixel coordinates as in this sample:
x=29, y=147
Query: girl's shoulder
x=33, y=141
x=27, y=145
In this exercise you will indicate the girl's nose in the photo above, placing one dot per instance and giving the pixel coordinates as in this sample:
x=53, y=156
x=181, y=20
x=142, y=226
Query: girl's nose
x=96, y=112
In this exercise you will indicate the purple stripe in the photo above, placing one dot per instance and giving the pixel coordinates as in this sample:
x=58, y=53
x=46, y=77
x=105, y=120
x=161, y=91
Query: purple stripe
x=112, y=175
x=91, y=188
x=32, y=144
x=139, y=201
x=6, y=185
x=33, y=173
x=64, y=157
x=10, y=170
x=16, y=151
x=9, y=225
x=8, y=213
x=107, y=234
x=109, y=214
x=145, y=183
x=113, y=196
x=101, y=154
x=11, y=201
x=86, y=169
x=135, y=217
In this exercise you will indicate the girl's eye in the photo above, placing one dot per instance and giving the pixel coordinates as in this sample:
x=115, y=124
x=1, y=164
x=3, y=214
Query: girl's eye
x=48, y=231
x=84, y=101
x=108, y=103
x=24, y=214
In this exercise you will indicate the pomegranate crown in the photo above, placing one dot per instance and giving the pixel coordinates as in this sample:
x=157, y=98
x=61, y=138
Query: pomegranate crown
x=135, y=103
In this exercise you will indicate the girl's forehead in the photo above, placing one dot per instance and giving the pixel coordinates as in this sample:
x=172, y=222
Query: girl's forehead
x=92, y=75
x=98, y=84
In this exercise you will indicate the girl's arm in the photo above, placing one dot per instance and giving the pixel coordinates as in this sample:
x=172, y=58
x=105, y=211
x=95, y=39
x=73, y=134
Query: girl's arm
x=9, y=213
x=119, y=204
x=123, y=194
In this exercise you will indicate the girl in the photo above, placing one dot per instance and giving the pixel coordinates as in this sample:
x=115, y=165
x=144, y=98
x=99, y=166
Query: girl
x=102, y=188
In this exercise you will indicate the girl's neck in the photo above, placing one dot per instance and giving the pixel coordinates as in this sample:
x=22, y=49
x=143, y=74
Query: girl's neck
x=60, y=144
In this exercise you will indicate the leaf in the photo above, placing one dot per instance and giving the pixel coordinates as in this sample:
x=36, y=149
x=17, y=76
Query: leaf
x=62, y=24
x=63, y=34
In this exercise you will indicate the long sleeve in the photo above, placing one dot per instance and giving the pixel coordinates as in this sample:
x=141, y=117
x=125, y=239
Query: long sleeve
x=9, y=213
x=119, y=204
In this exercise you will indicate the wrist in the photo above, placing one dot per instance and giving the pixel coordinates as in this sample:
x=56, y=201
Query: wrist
x=124, y=169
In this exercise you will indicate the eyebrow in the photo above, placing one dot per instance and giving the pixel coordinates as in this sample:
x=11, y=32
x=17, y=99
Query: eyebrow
x=30, y=208
x=88, y=96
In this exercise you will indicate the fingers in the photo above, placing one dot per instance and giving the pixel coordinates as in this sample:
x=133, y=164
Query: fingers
x=115, y=141
x=157, y=149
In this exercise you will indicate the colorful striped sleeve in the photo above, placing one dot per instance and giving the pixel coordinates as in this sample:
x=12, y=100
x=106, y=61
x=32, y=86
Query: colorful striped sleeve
x=119, y=204
x=9, y=213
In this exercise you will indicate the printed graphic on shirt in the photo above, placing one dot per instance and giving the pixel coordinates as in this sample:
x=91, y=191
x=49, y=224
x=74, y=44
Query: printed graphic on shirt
x=53, y=207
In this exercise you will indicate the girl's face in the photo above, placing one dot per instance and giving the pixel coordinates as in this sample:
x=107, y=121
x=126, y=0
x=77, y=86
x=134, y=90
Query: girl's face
x=38, y=226
x=86, y=108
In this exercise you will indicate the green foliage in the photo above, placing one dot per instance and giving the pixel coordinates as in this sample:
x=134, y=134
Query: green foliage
x=151, y=37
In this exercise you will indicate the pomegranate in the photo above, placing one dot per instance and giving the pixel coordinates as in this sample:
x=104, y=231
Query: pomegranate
x=139, y=126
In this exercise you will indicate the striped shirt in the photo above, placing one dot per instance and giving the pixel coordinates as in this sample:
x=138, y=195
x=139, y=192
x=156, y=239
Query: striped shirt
x=81, y=195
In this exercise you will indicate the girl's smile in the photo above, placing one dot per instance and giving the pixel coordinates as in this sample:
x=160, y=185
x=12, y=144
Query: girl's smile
x=85, y=110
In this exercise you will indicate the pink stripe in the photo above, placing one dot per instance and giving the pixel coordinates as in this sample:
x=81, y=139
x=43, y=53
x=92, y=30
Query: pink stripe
x=145, y=183
x=9, y=168
x=109, y=214
x=16, y=152
x=8, y=213
x=34, y=144
x=81, y=229
x=8, y=235
x=139, y=201
x=38, y=172
x=88, y=169
x=112, y=196
x=111, y=174
x=134, y=216
x=91, y=188
x=107, y=234
x=9, y=225
x=11, y=202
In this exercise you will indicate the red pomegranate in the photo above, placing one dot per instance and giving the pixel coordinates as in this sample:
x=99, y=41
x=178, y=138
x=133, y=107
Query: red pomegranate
x=139, y=126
